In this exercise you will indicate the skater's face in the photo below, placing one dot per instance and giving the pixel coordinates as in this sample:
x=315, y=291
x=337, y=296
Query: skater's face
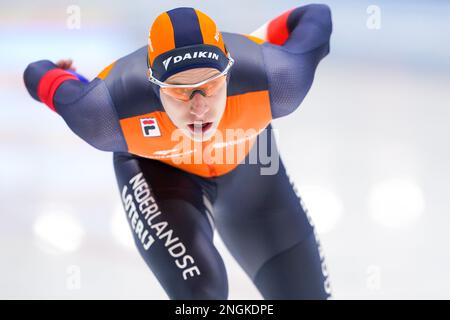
x=196, y=111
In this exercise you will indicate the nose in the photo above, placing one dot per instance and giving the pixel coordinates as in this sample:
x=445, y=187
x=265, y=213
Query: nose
x=198, y=105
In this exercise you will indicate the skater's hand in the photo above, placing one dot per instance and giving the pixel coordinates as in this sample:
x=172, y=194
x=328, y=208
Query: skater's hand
x=66, y=64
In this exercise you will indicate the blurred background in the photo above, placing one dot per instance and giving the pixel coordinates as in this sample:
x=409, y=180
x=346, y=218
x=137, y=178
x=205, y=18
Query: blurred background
x=369, y=155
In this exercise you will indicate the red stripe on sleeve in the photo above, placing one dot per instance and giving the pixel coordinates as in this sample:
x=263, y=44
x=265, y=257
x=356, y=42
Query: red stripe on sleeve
x=277, y=30
x=50, y=82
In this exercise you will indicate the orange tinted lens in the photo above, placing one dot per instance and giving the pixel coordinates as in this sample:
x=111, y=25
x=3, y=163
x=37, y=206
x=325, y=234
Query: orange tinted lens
x=184, y=94
x=213, y=86
x=178, y=93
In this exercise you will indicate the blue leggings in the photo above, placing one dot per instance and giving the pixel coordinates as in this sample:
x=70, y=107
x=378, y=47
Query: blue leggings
x=173, y=215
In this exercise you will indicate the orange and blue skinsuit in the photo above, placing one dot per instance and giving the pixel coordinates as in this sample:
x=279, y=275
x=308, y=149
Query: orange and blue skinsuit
x=260, y=217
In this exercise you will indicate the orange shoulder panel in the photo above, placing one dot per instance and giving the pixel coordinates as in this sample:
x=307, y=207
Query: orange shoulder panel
x=102, y=75
x=254, y=39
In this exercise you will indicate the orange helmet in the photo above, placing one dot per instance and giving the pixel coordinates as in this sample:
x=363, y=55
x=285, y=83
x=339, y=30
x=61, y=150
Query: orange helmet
x=184, y=38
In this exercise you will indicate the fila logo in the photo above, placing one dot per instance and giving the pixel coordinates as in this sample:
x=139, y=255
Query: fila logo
x=150, y=127
x=187, y=56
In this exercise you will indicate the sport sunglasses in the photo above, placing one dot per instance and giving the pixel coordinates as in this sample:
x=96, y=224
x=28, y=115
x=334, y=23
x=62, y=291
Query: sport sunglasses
x=184, y=92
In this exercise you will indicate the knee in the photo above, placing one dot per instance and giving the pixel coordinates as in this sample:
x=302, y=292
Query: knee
x=214, y=291
x=212, y=288
x=296, y=273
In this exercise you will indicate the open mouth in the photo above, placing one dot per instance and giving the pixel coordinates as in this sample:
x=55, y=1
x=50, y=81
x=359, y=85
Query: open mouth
x=200, y=126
